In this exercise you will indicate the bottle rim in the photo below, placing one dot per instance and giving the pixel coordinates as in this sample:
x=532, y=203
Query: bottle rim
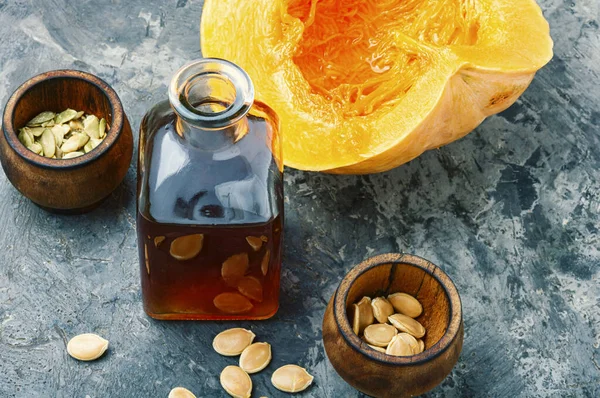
x=201, y=72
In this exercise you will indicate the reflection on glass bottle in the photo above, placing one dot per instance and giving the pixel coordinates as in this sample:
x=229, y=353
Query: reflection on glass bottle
x=210, y=199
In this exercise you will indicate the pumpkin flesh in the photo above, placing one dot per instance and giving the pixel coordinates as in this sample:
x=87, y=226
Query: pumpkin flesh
x=363, y=86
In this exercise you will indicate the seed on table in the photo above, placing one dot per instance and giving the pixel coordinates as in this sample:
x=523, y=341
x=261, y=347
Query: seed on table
x=406, y=304
x=255, y=357
x=186, y=247
x=379, y=334
x=233, y=341
x=232, y=303
x=291, y=378
x=363, y=315
x=236, y=382
x=264, y=264
x=406, y=324
x=381, y=309
x=87, y=347
x=255, y=242
x=180, y=392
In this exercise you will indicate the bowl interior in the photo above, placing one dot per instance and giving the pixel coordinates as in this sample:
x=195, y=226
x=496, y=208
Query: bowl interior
x=386, y=279
x=59, y=93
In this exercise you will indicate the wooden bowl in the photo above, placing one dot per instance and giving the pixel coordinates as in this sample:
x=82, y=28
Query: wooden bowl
x=70, y=185
x=375, y=373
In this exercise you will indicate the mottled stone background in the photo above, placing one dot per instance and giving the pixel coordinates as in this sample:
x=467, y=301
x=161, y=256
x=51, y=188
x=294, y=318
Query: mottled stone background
x=511, y=212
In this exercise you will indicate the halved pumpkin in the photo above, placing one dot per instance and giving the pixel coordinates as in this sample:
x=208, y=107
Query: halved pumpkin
x=364, y=86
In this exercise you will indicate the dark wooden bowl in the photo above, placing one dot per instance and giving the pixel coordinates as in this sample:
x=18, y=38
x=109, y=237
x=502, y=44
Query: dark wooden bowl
x=376, y=373
x=70, y=185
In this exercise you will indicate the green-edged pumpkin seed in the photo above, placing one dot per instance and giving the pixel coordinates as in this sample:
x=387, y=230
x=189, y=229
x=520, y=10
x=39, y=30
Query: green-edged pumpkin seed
x=102, y=128
x=48, y=143
x=91, y=126
x=76, y=125
x=36, y=147
x=72, y=155
x=41, y=118
x=25, y=137
x=35, y=131
x=65, y=116
x=76, y=141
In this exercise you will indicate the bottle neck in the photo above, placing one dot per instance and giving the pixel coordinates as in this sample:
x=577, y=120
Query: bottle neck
x=211, y=98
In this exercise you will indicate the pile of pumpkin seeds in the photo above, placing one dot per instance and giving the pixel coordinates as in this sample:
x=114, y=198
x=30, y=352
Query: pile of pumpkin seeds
x=254, y=357
x=402, y=336
x=63, y=135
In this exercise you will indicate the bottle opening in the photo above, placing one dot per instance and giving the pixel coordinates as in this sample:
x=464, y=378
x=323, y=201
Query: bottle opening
x=211, y=93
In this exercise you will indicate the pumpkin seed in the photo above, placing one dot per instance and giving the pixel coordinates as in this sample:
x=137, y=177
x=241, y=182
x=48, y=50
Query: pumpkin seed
x=158, y=240
x=232, y=303
x=236, y=382
x=406, y=324
x=233, y=342
x=255, y=242
x=291, y=378
x=25, y=137
x=147, y=258
x=363, y=315
x=402, y=345
x=380, y=349
x=406, y=304
x=264, y=264
x=75, y=142
x=48, y=143
x=102, y=128
x=41, y=118
x=186, y=247
x=76, y=125
x=264, y=238
x=421, y=345
x=35, y=131
x=180, y=392
x=379, y=334
x=234, y=268
x=65, y=116
x=72, y=155
x=87, y=347
x=70, y=133
x=36, y=147
x=251, y=287
x=91, y=126
x=255, y=357
x=381, y=309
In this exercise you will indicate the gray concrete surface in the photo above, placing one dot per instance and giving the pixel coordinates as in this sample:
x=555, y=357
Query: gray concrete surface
x=511, y=212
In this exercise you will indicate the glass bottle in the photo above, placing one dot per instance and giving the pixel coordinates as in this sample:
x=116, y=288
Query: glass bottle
x=210, y=198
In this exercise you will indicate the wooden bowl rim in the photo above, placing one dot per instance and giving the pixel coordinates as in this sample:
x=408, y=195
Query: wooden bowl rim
x=112, y=135
x=345, y=328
